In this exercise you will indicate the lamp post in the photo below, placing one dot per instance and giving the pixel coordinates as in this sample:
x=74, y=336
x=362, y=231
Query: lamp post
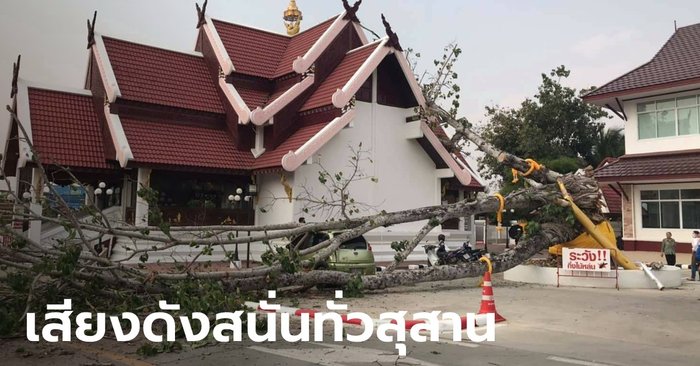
x=100, y=203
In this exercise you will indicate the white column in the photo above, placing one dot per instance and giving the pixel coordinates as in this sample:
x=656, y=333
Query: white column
x=34, y=232
x=472, y=233
x=461, y=219
x=37, y=185
x=126, y=195
x=89, y=194
x=143, y=181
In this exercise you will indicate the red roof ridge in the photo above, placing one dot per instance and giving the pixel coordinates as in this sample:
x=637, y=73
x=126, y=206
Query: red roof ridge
x=182, y=52
x=282, y=35
x=600, y=92
x=251, y=28
x=259, y=52
x=688, y=26
x=606, y=161
x=317, y=25
x=57, y=89
x=661, y=153
x=592, y=93
x=366, y=45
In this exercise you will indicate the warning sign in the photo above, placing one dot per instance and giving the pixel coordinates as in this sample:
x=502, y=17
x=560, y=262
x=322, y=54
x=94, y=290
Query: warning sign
x=580, y=259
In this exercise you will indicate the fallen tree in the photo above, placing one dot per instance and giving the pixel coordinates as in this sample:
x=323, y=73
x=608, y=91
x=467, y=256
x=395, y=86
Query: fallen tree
x=38, y=273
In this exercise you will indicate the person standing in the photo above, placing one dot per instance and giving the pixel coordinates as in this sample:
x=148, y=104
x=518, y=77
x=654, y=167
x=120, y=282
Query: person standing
x=668, y=249
x=693, y=258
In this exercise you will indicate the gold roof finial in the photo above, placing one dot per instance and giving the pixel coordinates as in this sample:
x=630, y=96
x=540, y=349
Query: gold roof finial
x=292, y=18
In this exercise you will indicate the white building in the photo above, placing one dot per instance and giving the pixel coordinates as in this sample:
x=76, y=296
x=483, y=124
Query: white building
x=246, y=115
x=659, y=177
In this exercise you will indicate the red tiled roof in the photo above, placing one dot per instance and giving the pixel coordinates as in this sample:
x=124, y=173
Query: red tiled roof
x=163, y=143
x=300, y=44
x=252, y=51
x=442, y=135
x=339, y=77
x=154, y=75
x=678, y=60
x=66, y=130
x=266, y=54
x=612, y=198
x=474, y=183
x=682, y=164
x=253, y=98
x=277, y=93
x=273, y=158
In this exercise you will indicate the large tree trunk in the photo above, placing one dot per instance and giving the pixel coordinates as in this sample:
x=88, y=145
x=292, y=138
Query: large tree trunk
x=550, y=234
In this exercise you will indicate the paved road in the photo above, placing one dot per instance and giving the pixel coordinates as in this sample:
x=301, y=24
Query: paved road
x=546, y=326
x=515, y=345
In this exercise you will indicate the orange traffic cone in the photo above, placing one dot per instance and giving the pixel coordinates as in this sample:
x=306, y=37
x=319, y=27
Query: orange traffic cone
x=488, y=305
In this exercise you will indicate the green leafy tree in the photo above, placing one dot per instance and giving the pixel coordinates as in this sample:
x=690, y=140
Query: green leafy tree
x=610, y=143
x=555, y=127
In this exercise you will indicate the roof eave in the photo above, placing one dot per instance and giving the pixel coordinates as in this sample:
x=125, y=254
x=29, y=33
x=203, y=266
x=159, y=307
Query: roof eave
x=109, y=80
x=293, y=159
x=645, y=91
x=24, y=118
x=303, y=63
x=462, y=174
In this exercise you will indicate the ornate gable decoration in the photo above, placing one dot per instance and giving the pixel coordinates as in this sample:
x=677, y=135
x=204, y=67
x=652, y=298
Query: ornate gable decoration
x=351, y=11
x=15, y=76
x=393, y=37
x=201, y=14
x=91, y=30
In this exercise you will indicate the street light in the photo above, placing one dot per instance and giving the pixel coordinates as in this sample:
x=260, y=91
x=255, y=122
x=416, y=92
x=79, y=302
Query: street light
x=102, y=185
x=26, y=195
x=98, y=191
x=110, y=191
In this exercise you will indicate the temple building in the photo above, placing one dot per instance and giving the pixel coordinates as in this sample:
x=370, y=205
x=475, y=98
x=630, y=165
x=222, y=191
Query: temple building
x=238, y=123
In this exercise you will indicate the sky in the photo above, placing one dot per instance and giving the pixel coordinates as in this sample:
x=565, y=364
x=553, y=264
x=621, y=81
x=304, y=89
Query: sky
x=506, y=44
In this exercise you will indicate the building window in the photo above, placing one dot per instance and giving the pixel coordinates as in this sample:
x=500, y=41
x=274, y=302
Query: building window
x=671, y=209
x=668, y=117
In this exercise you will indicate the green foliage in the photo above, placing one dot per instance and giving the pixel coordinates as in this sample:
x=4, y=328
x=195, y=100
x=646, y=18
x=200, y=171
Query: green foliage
x=555, y=126
x=442, y=86
x=532, y=228
x=68, y=259
x=12, y=307
x=206, y=296
x=288, y=259
x=354, y=287
x=399, y=247
x=147, y=350
x=609, y=143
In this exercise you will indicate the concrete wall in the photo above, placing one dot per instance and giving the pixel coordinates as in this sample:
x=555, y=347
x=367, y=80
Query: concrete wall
x=669, y=276
x=277, y=211
x=406, y=173
x=633, y=145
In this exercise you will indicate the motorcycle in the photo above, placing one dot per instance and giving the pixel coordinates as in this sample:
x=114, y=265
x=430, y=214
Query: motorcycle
x=438, y=256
